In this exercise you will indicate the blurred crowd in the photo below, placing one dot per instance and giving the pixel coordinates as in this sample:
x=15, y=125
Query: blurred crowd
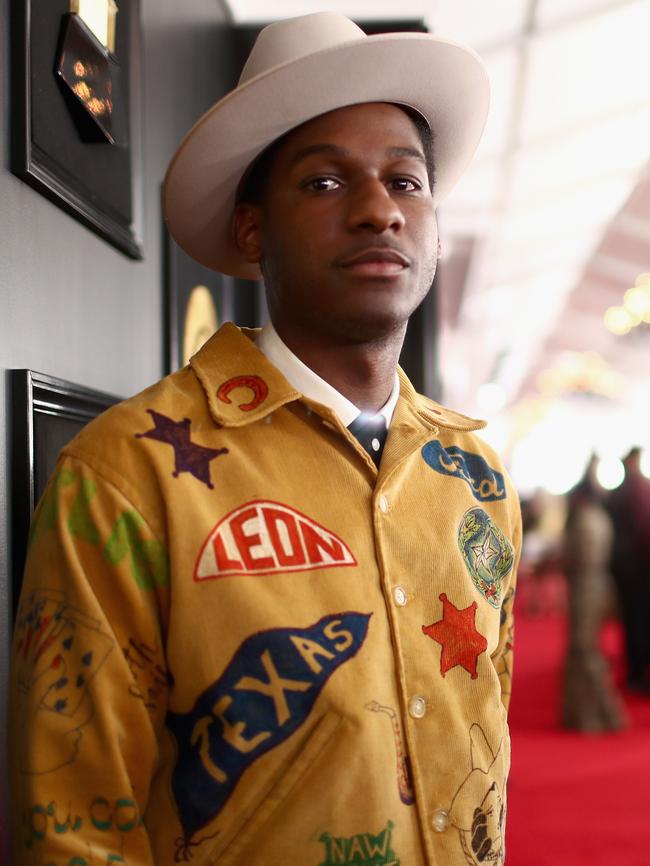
x=588, y=555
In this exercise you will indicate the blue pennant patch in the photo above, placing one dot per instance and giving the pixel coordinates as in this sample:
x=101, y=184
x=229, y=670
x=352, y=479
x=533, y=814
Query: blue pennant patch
x=486, y=483
x=265, y=693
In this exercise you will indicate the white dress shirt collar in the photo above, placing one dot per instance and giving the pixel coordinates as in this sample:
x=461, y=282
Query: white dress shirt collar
x=310, y=384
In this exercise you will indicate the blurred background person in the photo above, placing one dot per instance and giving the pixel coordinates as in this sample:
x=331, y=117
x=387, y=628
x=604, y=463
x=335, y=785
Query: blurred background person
x=589, y=701
x=629, y=507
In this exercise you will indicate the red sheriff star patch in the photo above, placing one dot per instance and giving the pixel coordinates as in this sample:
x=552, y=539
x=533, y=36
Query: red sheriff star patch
x=461, y=642
x=188, y=456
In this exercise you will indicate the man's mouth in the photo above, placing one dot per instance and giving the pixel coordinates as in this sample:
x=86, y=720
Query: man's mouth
x=375, y=261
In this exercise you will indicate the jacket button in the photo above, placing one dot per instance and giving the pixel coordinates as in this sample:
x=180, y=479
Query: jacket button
x=399, y=596
x=440, y=820
x=383, y=504
x=417, y=707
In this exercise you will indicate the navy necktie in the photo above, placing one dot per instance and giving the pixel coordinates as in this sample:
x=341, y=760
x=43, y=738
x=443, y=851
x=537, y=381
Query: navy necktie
x=371, y=432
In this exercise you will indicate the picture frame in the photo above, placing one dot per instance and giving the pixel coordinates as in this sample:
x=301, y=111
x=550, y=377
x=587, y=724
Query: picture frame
x=198, y=300
x=55, y=146
x=188, y=320
x=47, y=413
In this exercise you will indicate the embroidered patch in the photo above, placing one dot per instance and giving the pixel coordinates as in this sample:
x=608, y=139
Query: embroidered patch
x=148, y=559
x=188, y=457
x=486, y=483
x=477, y=810
x=59, y=649
x=264, y=537
x=404, y=784
x=257, y=385
x=47, y=512
x=360, y=848
x=80, y=521
x=150, y=679
x=461, y=642
x=119, y=816
x=487, y=553
x=265, y=693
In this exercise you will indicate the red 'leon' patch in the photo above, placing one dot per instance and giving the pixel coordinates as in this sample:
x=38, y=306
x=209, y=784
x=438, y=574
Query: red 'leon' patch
x=265, y=537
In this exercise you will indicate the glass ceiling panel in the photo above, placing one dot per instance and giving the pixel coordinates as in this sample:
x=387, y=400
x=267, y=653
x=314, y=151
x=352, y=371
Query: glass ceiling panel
x=619, y=145
x=583, y=208
x=503, y=67
x=477, y=22
x=551, y=12
x=260, y=10
x=587, y=71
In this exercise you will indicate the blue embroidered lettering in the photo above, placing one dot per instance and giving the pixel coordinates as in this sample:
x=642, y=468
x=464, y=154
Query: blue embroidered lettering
x=265, y=693
x=486, y=484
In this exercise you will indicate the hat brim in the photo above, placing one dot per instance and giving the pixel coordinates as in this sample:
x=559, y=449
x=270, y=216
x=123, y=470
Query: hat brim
x=444, y=81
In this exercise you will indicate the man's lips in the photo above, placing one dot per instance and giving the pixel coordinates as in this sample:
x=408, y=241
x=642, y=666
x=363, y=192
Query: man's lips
x=375, y=261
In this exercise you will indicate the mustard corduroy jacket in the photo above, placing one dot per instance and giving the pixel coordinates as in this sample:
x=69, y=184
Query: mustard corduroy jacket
x=239, y=642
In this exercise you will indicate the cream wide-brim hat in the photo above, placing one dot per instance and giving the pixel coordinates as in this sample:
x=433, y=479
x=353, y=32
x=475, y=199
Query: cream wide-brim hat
x=298, y=69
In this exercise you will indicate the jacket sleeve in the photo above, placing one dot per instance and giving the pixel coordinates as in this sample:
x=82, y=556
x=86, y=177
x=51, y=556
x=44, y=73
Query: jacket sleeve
x=503, y=655
x=89, y=682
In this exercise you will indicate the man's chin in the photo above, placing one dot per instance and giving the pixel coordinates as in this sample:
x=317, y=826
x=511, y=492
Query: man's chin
x=364, y=326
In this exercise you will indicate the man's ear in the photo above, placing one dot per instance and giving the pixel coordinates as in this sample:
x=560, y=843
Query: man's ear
x=247, y=231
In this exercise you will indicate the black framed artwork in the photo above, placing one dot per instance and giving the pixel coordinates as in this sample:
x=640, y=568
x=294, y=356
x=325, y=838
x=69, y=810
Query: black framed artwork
x=76, y=111
x=46, y=414
x=198, y=300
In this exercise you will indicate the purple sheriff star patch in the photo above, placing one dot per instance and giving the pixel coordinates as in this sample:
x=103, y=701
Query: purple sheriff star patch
x=188, y=456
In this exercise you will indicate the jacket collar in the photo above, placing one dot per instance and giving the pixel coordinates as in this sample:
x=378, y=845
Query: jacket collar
x=432, y=414
x=242, y=385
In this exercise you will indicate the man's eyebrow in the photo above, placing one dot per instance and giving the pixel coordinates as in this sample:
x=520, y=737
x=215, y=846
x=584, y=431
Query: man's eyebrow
x=408, y=152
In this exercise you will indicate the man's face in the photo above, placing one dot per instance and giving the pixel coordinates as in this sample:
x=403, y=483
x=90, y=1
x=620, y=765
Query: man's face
x=346, y=232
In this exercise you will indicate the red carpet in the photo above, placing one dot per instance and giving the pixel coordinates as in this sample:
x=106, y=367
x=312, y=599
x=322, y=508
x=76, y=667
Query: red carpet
x=573, y=799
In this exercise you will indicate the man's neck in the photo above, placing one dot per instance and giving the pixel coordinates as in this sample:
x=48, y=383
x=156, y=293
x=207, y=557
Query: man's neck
x=362, y=372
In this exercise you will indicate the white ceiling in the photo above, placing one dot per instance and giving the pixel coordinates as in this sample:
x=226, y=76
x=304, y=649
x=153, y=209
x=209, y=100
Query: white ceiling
x=551, y=224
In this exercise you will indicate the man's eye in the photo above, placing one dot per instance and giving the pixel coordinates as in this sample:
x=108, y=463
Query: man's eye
x=405, y=184
x=322, y=184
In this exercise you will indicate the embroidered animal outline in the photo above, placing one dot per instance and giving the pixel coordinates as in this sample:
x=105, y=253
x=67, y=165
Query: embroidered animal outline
x=477, y=809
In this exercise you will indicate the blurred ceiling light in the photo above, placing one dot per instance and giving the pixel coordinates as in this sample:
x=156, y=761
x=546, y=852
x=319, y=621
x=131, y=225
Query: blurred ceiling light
x=618, y=321
x=580, y=373
x=637, y=303
x=635, y=308
x=553, y=455
x=610, y=472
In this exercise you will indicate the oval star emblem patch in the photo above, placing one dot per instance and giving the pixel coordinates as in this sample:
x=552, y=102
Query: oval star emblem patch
x=487, y=553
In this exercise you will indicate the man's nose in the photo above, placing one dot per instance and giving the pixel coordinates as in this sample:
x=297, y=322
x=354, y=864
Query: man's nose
x=373, y=208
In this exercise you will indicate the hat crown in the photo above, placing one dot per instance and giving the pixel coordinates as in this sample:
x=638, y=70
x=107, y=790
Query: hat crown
x=284, y=41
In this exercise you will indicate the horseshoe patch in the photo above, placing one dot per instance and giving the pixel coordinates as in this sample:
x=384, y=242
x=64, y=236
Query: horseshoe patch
x=254, y=383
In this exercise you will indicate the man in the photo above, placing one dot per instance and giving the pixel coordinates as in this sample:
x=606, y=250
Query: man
x=629, y=508
x=246, y=635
